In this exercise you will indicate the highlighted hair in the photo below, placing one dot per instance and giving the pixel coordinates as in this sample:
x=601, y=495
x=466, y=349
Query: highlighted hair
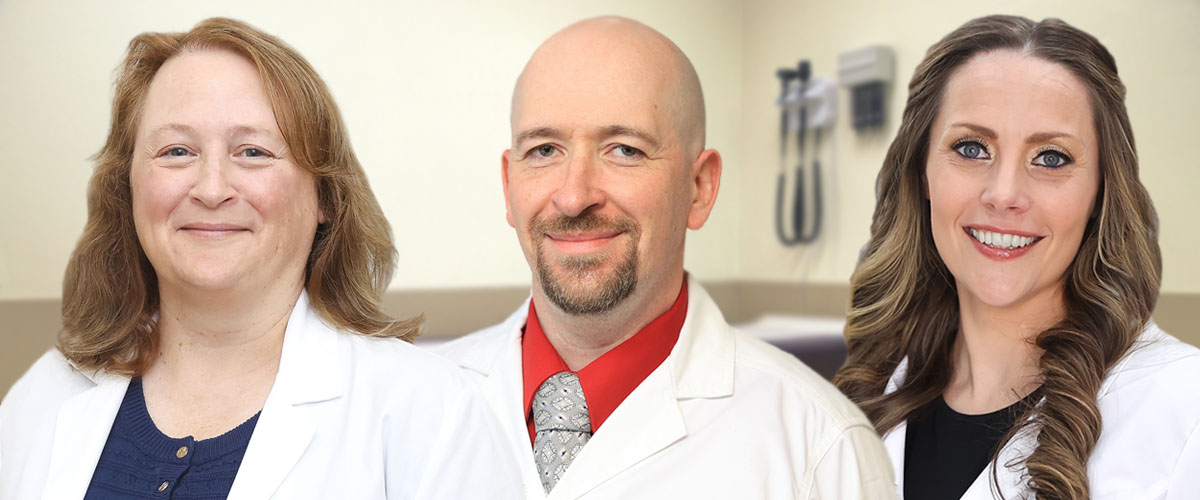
x=903, y=298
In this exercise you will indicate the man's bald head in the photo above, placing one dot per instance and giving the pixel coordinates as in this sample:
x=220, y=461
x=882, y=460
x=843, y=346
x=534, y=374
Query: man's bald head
x=607, y=170
x=616, y=55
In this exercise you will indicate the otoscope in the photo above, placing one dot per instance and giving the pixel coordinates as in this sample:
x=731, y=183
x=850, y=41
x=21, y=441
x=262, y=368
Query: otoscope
x=799, y=233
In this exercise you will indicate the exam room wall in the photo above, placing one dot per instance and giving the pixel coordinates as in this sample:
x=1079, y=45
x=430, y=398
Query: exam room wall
x=1155, y=44
x=423, y=86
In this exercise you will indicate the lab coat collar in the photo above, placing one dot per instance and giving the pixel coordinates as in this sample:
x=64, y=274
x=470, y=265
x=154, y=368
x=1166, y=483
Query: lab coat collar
x=495, y=353
x=700, y=366
x=489, y=351
x=893, y=440
x=1010, y=469
x=703, y=359
x=311, y=375
x=1128, y=370
x=82, y=428
x=1010, y=479
x=701, y=363
x=309, y=367
x=650, y=419
x=309, y=372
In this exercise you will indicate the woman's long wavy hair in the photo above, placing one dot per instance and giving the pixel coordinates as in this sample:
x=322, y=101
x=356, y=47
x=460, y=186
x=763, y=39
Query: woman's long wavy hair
x=903, y=299
x=110, y=292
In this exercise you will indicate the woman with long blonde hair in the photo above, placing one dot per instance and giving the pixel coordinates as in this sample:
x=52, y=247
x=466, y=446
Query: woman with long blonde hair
x=1000, y=334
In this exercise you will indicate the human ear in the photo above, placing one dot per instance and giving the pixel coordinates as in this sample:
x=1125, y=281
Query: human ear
x=706, y=182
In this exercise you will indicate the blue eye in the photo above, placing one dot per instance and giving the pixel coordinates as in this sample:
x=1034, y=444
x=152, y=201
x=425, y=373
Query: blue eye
x=1052, y=159
x=176, y=151
x=971, y=150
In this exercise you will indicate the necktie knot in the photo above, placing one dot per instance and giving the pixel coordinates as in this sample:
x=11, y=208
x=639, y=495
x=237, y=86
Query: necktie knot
x=559, y=405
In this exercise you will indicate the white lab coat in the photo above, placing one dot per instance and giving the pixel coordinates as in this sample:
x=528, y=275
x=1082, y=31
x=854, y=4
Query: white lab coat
x=725, y=416
x=347, y=417
x=1149, y=446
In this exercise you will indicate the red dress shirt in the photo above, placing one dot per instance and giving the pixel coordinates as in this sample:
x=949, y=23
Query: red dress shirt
x=611, y=377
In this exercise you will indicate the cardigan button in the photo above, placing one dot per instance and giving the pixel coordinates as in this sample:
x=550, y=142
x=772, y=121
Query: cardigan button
x=182, y=452
x=162, y=487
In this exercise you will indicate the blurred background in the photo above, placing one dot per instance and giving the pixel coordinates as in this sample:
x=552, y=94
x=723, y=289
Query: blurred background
x=425, y=86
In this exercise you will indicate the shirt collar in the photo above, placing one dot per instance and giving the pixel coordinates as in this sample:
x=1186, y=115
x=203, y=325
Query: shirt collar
x=611, y=377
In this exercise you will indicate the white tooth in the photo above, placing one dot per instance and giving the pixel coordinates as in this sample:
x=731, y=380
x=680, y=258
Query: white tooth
x=1006, y=241
x=992, y=238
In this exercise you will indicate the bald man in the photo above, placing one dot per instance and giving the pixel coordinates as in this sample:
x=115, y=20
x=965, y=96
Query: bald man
x=619, y=378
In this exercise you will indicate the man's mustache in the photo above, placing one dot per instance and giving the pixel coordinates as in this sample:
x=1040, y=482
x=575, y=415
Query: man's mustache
x=585, y=222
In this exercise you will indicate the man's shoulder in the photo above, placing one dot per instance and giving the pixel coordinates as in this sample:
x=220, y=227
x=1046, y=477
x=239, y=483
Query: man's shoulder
x=388, y=358
x=473, y=342
x=763, y=365
x=479, y=350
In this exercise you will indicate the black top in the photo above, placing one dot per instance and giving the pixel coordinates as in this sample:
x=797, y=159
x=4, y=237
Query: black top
x=944, y=450
x=140, y=462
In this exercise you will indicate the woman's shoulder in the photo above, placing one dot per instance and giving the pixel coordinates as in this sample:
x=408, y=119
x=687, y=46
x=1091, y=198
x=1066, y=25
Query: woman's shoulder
x=28, y=412
x=1150, y=412
x=50, y=379
x=1156, y=360
x=1154, y=387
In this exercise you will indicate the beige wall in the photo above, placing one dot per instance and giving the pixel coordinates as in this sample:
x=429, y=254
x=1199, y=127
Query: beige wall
x=426, y=101
x=424, y=87
x=1155, y=44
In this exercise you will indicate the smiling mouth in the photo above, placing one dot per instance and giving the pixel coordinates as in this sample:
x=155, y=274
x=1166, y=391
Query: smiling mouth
x=582, y=237
x=581, y=243
x=1001, y=241
x=213, y=230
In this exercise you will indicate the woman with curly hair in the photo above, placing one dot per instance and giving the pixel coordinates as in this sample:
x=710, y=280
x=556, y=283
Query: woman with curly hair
x=999, y=332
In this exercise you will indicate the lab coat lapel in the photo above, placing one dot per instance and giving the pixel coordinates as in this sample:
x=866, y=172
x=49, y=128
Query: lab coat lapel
x=646, y=422
x=894, y=439
x=504, y=389
x=650, y=419
x=1009, y=479
x=309, y=372
x=894, y=442
x=497, y=358
x=83, y=424
x=980, y=489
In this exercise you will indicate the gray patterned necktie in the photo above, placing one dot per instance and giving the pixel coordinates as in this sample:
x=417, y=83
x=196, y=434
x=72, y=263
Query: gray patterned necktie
x=563, y=425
